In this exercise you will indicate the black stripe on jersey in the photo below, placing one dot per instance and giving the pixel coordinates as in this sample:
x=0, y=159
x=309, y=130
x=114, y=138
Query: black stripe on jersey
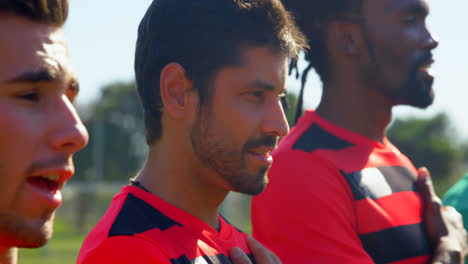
x=315, y=138
x=182, y=260
x=378, y=182
x=137, y=216
x=395, y=244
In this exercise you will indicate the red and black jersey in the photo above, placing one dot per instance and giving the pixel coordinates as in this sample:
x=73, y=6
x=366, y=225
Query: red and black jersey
x=139, y=227
x=337, y=197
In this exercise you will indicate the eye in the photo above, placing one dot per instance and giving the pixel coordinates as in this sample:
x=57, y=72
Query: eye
x=255, y=95
x=410, y=20
x=31, y=96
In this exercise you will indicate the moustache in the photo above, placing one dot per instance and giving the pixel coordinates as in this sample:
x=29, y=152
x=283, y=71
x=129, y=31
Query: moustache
x=265, y=141
x=54, y=162
x=426, y=59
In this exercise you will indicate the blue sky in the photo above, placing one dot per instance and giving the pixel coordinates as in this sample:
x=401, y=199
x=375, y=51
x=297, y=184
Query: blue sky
x=102, y=35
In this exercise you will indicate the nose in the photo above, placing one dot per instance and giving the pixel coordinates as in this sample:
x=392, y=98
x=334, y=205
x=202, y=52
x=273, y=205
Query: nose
x=275, y=122
x=67, y=133
x=430, y=42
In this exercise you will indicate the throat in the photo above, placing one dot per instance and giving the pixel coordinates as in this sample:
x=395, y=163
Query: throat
x=357, y=118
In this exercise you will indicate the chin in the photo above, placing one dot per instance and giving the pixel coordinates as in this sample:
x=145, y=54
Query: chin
x=416, y=93
x=252, y=184
x=423, y=101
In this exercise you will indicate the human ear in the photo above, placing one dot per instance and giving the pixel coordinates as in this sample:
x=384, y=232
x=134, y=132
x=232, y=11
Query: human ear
x=346, y=38
x=174, y=87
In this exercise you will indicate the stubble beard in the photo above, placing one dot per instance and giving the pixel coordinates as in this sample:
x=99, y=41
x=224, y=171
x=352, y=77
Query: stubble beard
x=417, y=92
x=225, y=158
x=18, y=232
x=413, y=92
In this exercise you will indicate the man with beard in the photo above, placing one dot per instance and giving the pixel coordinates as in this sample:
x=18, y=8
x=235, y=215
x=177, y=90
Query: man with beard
x=210, y=75
x=339, y=191
x=39, y=127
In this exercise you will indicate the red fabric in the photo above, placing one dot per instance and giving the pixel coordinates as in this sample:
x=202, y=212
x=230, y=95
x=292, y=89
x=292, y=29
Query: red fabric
x=304, y=221
x=423, y=259
x=125, y=249
x=392, y=215
x=308, y=213
x=191, y=237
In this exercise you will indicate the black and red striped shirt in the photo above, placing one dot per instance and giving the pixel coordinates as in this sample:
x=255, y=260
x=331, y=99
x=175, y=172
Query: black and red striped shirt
x=139, y=227
x=337, y=197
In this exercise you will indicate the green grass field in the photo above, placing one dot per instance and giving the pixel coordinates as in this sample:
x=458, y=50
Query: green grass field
x=62, y=249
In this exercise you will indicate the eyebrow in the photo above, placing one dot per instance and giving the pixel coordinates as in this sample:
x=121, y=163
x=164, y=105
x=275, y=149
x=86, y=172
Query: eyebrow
x=264, y=85
x=42, y=75
x=417, y=8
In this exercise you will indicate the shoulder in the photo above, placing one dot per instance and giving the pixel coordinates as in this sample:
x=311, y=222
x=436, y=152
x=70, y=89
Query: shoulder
x=312, y=133
x=125, y=249
x=131, y=220
x=137, y=216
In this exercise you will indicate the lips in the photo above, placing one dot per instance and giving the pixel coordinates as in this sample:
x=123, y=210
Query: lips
x=265, y=153
x=426, y=65
x=49, y=182
x=46, y=186
x=262, y=155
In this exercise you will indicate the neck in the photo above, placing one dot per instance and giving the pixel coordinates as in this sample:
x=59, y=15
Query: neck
x=171, y=175
x=356, y=108
x=9, y=256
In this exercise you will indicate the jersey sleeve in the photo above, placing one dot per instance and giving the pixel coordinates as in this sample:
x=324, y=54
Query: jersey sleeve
x=306, y=213
x=126, y=249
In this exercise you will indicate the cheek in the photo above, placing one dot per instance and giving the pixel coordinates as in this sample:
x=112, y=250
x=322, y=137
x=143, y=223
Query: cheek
x=17, y=147
x=396, y=45
x=235, y=124
x=243, y=119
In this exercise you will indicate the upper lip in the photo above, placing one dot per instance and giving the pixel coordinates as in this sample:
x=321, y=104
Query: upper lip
x=65, y=172
x=427, y=63
x=264, y=150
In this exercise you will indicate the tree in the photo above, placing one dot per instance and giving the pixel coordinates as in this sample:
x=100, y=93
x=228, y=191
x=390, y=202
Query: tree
x=117, y=147
x=290, y=107
x=430, y=143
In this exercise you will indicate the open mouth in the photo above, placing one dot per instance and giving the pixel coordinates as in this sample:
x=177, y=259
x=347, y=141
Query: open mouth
x=262, y=153
x=49, y=182
x=426, y=65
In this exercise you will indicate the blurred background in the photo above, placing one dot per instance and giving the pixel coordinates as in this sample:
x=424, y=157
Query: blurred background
x=102, y=35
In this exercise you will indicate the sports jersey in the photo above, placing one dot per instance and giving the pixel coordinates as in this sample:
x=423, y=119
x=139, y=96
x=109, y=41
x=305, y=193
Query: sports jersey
x=335, y=196
x=139, y=227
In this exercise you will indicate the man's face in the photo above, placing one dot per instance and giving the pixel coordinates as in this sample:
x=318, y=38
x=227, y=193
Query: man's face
x=237, y=130
x=399, y=49
x=39, y=129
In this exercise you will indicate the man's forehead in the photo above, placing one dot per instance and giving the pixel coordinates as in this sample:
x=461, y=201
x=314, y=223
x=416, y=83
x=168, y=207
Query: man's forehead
x=27, y=46
x=391, y=6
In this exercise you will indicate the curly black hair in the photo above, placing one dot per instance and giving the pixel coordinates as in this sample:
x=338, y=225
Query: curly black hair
x=313, y=18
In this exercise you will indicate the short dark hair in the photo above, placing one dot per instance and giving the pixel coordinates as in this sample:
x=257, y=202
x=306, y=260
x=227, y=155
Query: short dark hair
x=313, y=17
x=203, y=36
x=54, y=12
